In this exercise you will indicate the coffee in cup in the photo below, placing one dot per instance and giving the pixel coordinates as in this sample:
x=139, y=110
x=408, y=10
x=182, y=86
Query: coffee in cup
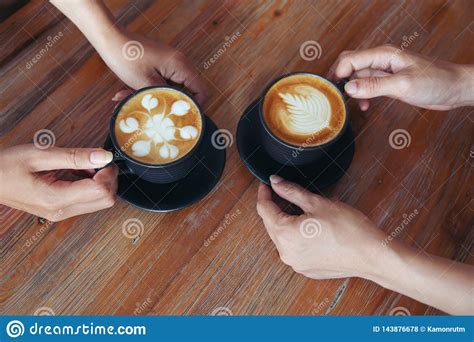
x=158, y=126
x=156, y=130
x=301, y=114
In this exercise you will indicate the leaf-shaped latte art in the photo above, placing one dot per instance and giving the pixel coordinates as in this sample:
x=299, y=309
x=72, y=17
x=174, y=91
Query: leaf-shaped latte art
x=149, y=102
x=129, y=125
x=309, y=113
x=141, y=148
x=180, y=108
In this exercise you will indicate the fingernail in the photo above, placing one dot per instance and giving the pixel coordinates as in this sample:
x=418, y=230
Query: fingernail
x=351, y=87
x=101, y=157
x=275, y=179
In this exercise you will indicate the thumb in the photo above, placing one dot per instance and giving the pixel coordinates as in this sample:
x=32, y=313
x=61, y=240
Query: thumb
x=292, y=193
x=367, y=88
x=68, y=158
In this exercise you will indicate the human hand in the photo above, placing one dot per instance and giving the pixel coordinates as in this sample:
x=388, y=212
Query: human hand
x=330, y=240
x=160, y=63
x=138, y=61
x=412, y=78
x=28, y=181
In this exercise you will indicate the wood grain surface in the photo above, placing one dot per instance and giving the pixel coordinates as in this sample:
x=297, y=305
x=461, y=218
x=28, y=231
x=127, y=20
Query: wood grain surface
x=86, y=266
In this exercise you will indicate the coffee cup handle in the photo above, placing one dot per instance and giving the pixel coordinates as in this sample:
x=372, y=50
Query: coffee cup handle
x=340, y=85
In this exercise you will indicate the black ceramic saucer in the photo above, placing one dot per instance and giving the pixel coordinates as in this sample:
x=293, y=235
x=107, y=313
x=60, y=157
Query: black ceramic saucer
x=314, y=177
x=180, y=194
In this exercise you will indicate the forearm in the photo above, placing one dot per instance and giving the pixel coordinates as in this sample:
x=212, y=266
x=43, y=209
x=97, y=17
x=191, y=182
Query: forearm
x=438, y=282
x=94, y=20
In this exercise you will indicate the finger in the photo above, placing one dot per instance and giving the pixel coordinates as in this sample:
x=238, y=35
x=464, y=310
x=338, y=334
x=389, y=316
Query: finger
x=363, y=104
x=187, y=76
x=108, y=177
x=266, y=208
x=364, y=73
x=292, y=193
x=102, y=185
x=85, y=208
x=367, y=88
x=381, y=58
x=80, y=191
x=154, y=79
x=120, y=95
x=56, y=158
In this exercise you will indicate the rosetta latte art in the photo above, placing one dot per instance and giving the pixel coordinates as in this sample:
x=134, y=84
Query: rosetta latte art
x=159, y=128
x=308, y=109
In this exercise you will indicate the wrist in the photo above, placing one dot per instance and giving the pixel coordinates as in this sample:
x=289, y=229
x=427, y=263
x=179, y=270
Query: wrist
x=388, y=264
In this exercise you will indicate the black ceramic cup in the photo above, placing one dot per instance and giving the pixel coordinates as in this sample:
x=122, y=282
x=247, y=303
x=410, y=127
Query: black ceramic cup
x=155, y=173
x=304, y=154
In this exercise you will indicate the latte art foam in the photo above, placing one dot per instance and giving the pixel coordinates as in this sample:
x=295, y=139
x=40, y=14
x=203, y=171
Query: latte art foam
x=303, y=109
x=158, y=126
x=308, y=110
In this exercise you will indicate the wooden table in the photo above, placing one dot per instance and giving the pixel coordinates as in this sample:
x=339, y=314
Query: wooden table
x=85, y=265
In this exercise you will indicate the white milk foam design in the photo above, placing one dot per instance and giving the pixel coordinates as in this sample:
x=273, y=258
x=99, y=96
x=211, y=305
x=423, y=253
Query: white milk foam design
x=159, y=128
x=308, y=108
